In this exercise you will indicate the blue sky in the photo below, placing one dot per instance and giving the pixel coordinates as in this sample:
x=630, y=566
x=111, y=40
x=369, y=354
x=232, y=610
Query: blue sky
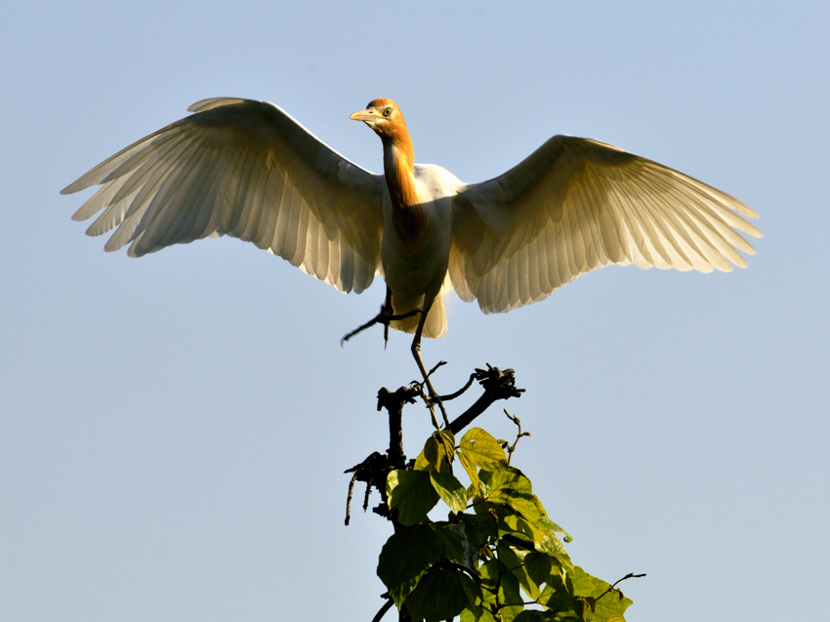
x=173, y=429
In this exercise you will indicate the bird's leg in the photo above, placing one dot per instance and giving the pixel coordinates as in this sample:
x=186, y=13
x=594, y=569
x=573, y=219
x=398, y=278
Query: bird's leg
x=416, y=352
x=384, y=317
x=387, y=308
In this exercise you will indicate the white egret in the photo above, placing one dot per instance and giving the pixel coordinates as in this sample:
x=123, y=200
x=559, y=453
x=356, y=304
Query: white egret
x=247, y=169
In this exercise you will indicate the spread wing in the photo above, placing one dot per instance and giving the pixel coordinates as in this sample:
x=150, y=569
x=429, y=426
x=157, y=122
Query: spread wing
x=246, y=169
x=576, y=205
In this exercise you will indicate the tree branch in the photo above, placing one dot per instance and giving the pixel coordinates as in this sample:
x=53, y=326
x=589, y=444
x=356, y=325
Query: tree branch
x=394, y=403
x=498, y=385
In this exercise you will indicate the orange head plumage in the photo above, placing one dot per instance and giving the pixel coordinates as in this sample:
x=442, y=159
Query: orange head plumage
x=386, y=119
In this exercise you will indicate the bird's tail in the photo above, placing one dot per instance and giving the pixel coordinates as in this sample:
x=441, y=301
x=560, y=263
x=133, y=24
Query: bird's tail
x=436, y=324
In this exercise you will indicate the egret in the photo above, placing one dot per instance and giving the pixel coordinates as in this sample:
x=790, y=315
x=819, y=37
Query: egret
x=247, y=169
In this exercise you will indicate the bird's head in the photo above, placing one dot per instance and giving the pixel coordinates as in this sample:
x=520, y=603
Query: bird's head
x=383, y=116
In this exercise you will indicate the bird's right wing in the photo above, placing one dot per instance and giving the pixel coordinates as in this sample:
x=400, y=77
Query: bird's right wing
x=246, y=169
x=576, y=205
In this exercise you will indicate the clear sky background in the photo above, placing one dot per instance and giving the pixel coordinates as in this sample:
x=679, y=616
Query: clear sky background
x=174, y=429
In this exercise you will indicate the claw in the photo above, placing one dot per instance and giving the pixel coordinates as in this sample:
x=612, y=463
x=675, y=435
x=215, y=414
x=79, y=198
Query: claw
x=384, y=317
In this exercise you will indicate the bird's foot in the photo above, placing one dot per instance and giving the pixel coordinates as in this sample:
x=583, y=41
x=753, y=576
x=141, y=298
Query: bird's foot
x=385, y=317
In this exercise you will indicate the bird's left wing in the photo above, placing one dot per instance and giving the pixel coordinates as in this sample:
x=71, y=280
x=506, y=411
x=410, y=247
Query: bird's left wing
x=246, y=169
x=576, y=205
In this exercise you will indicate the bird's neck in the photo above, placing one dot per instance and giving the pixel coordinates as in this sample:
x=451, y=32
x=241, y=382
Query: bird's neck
x=398, y=166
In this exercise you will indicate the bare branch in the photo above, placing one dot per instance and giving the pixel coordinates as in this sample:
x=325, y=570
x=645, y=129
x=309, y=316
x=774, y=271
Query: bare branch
x=498, y=385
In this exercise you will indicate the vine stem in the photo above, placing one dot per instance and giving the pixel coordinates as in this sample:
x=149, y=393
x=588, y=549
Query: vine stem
x=383, y=609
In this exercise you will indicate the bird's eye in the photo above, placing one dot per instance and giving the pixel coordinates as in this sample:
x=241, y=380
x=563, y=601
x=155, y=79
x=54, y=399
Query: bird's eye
x=387, y=112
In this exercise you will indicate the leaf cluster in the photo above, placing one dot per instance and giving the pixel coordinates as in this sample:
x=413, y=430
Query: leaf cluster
x=497, y=557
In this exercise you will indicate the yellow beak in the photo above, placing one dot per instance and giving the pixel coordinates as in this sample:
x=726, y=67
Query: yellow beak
x=367, y=116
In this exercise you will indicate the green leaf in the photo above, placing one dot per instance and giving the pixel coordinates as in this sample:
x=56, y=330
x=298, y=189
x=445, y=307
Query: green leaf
x=450, y=490
x=437, y=454
x=534, y=615
x=447, y=438
x=412, y=494
x=482, y=450
x=584, y=607
x=547, y=523
x=406, y=556
x=516, y=525
x=489, y=572
x=508, y=477
x=479, y=529
x=540, y=531
x=539, y=567
x=513, y=560
x=475, y=595
x=552, y=545
x=510, y=596
x=509, y=486
x=477, y=614
x=472, y=473
x=438, y=596
x=587, y=587
x=452, y=541
x=543, y=568
x=556, y=599
x=500, y=585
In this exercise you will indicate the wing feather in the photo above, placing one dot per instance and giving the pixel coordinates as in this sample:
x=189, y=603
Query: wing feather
x=245, y=169
x=576, y=205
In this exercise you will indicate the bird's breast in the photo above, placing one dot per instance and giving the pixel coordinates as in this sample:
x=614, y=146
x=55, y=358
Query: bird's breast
x=415, y=265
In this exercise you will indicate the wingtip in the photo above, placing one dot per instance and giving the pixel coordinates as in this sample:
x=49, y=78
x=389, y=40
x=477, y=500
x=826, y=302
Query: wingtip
x=751, y=230
x=72, y=188
x=747, y=211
